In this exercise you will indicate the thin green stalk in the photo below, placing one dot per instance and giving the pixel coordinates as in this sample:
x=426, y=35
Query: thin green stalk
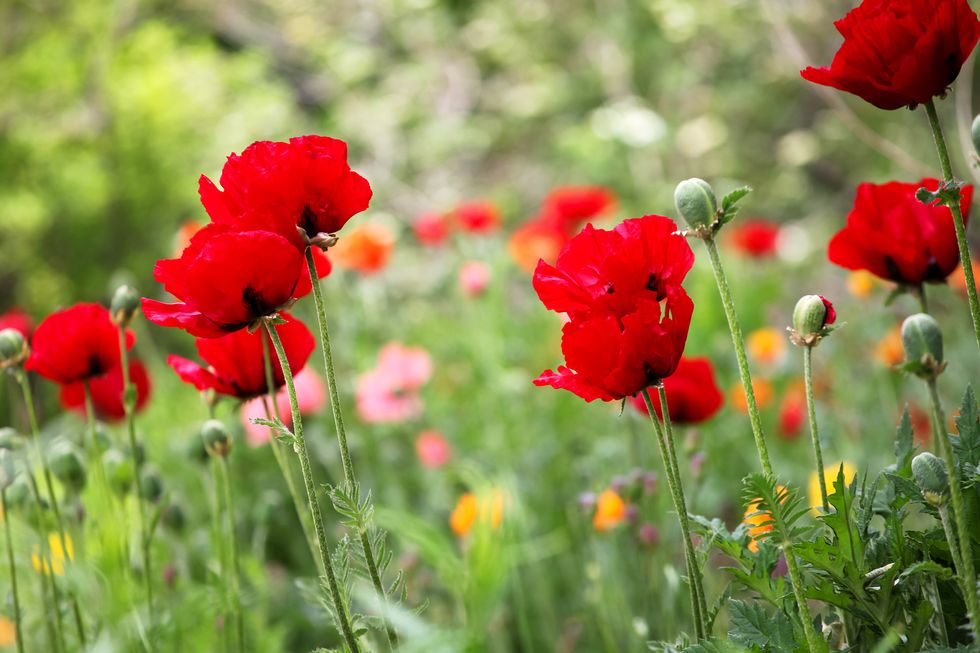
x=345, y=457
x=966, y=571
x=743, y=364
x=54, y=638
x=954, y=546
x=13, y=572
x=815, y=643
x=958, y=223
x=676, y=494
x=129, y=406
x=224, y=479
x=93, y=444
x=340, y=608
x=812, y=415
x=56, y=597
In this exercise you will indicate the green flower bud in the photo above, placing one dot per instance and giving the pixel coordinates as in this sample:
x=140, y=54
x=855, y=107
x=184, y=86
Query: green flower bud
x=931, y=477
x=66, y=464
x=8, y=469
x=695, y=202
x=923, y=343
x=811, y=317
x=118, y=470
x=173, y=517
x=9, y=438
x=125, y=303
x=14, y=349
x=975, y=133
x=151, y=485
x=216, y=439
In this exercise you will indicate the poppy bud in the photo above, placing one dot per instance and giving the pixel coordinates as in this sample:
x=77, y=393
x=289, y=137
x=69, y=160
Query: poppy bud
x=695, y=202
x=8, y=470
x=151, y=485
x=930, y=475
x=173, y=517
x=66, y=464
x=811, y=317
x=9, y=438
x=923, y=343
x=19, y=492
x=14, y=349
x=217, y=442
x=975, y=133
x=125, y=302
x=118, y=470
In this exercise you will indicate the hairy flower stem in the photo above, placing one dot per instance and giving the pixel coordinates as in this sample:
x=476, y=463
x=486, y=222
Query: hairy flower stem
x=965, y=569
x=812, y=415
x=958, y=223
x=680, y=507
x=280, y=453
x=223, y=477
x=815, y=643
x=13, y=572
x=129, y=407
x=340, y=608
x=743, y=364
x=345, y=458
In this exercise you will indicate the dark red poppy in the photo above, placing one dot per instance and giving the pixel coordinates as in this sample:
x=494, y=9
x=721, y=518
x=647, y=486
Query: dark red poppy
x=431, y=228
x=693, y=395
x=477, y=217
x=235, y=363
x=754, y=238
x=569, y=207
x=792, y=413
x=275, y=186
x=831, y=315
x=226, y=280
x=900, y=53
x=107, y=392
x=18, y=320
x=76, y=344
x=894, y=236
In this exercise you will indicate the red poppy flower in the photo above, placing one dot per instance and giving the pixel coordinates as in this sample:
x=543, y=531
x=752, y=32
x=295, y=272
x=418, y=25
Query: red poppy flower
x=235, y=364
x=792, y=412
x=754, y=238
x=569, y=207
x=431, y=228
x=894, y=236
x=276, y=186
x=76, y=344
x=226, y=280
x=899, y=53
x=477, y=217
x=693, y=395
x=107, y=392
x=18, y=320
x=614, y=271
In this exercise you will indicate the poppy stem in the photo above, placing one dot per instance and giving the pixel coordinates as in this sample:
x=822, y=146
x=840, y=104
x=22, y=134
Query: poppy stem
x=743, y=364
x=958, y=222
x=815, y=643
x=280, y=454
x=13, y=572
x=299, y=445
x=129, y=407
x=967, y=574
x=680, y=507
x=345, y=457
x=812, y=416
x=223, y=477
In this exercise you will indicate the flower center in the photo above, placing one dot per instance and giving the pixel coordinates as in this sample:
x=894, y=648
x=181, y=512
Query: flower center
x=255, y=303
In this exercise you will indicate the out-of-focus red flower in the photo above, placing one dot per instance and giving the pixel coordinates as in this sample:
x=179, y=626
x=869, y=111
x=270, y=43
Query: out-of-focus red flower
x=431, y=228
x=792, y=412
x=235, y=364
x=366, y=248
x=19, y=321
x=895, y=237
x=474, y=277
x=535, y=241
x=226, y=280
x=570, y=207
x=433, y=449
x=76, y=344
x=185, y=234
x=310, y=395
x=693, y=395
x=277, y=186
x=107, y=392
x=390, y=392
x=921, y=426
x=900, y=53
x=477, y=217
x=754, y=238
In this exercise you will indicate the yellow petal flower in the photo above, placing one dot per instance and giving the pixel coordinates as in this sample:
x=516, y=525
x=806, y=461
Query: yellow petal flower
x=829, y=475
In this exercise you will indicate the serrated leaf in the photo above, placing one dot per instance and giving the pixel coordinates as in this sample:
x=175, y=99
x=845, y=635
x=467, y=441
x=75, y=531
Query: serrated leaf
x=840, y=520
x=716, y=646
x=729, y=203
x=904, y=441
x=926, y=567
x=753, y=625
x=967, y=442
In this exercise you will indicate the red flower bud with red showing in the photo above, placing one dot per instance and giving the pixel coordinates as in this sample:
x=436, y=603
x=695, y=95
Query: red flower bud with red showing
x=19, y=320
x=693, y=395
x=107, y=392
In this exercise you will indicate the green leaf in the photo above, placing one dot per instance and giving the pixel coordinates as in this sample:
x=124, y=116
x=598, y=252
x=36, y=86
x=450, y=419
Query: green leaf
x=967, y=443
x=926, y=567
x=716, y=646
x=729, y=203
x=840, y=520
x=904, y=442
x=753, y=625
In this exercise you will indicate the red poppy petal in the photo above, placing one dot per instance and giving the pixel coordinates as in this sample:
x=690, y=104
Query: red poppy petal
x=179, y=315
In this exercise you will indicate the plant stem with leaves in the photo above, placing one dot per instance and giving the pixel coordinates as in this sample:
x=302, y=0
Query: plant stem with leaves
x=223, y=478
x=13, y=572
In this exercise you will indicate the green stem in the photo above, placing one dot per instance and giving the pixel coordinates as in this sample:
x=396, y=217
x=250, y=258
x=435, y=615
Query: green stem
x=954, y=547
x=958, y=223
x=345, y=457
x=677, y=496
x=224, y=478
x=129, y=406
x=966, y=571
x=812, y=415
x=13, y=572
x=814, y=642
x=54, y=638
x=743, y=364
x=340, y=608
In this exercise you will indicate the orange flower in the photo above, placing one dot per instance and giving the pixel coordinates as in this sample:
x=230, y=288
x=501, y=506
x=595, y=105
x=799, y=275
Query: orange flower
x=610, y=511
x=958, y=280
x=470, y=509
x=762, y=389
x=889, y=350
x=758, y=521
x=533, y=242
x=184, y=235
x=767, y=345
x=8, y=632
x=861, y=283
x=365, y=248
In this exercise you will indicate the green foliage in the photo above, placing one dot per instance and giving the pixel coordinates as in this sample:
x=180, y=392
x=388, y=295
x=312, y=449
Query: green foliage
x=729, y=204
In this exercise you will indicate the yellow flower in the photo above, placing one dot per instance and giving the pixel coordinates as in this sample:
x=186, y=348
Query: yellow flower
x=829, y=476
x=758, y=521
x=767, y=345
x=57, y=561
x=8, y=632
x=469, y=508
x=610, y=511
x=889, y=350
x=860, y=283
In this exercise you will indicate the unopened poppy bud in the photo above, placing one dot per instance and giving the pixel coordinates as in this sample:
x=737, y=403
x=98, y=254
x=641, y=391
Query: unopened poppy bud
x=66, y=464
x=151, y=485
x=931, y=477
x=695, y=202
x=14, y=349
x=8, y=469
x=217, y=442
x=118, y=470
x=811, y=317
x=975, y=133
x=173, y=517
x=125, y=302
x=922, y=340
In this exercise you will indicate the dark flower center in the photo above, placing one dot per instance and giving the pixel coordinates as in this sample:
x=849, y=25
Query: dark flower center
x=307, y=220
x=95, y=366
x=255, y=303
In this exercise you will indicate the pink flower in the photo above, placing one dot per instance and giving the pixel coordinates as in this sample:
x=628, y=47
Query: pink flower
x=310, y=395
x=432, y=449
x=390, y=392
x=474, y=277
